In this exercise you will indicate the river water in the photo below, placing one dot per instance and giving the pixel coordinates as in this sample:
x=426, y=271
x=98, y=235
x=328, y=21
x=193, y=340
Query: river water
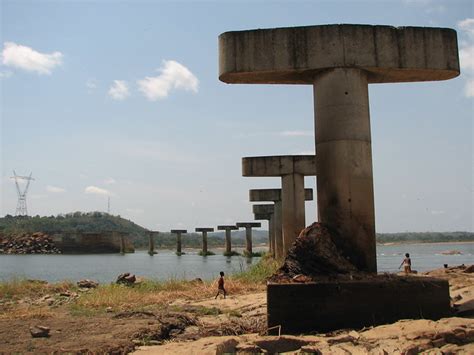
x=166, y=264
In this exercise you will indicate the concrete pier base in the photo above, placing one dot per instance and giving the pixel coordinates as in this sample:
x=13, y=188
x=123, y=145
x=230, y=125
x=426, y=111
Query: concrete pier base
x=228, y=236
x=204, y=232
x=330, y=305
x=178, y=233
x=151, y=243
x=248, y=235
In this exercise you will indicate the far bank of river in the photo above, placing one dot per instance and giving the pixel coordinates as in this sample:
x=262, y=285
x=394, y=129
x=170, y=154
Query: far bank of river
x=166, y=264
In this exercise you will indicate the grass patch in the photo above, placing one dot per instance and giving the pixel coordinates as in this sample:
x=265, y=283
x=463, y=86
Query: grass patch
x=20, y=288
x=206, y=253
x=259, y=272
x=253, y=254
x=198, y=310
x=232, y=253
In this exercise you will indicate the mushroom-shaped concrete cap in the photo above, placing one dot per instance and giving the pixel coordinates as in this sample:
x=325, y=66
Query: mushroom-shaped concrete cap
x=279, y=165
x=230, y=227
x=260, y=216
x=248, y=224
x=257, y=195
x=179, y=231
x=203, y=229
x=295, y=55
x=264, y=209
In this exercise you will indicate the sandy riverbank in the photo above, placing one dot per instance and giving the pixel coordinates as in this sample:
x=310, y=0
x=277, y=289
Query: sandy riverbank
x=184, y=318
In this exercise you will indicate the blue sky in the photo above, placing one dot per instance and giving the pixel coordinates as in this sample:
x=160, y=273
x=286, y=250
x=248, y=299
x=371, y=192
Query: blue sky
x=122, y=99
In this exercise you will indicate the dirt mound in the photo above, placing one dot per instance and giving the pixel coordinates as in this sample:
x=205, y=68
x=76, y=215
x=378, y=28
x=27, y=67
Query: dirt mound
x=314, y=255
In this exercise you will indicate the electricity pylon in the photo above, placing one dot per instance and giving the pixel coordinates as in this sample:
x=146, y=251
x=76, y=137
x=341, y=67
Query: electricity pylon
x=21, y=209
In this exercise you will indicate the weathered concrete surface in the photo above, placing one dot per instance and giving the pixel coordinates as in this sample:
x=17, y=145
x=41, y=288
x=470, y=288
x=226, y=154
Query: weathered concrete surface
x=103, y=242
x=340, y=61
x=331, y=305
x=292, y=169
x=178, y=233
x=296, y=55
x=204, y=232
x=345, y=185
x=248, y=234
x=267, y=212
x=228, y=237
x=286, y=230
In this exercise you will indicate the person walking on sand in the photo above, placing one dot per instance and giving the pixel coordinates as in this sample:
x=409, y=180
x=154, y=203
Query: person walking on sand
x=406, y=264
x=220, y=285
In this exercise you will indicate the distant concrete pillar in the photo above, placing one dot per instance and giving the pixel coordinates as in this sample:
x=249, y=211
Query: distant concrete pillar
x=151, y=242
x=178, y=233
x=204, y=238
x=228, y=243
x=292, y=169
x=248, y=235
x=266, y=212
x=275, y=195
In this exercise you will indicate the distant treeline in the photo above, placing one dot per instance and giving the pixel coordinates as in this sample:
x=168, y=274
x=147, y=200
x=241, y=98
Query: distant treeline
x=425, y=237
x=90, y=222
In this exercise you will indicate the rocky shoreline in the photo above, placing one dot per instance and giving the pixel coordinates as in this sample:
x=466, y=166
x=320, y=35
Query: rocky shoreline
x=28, y=243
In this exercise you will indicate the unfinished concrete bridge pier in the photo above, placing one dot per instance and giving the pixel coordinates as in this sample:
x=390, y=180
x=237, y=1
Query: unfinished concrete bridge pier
x=339, y=61
x=178, y=233
x=204, y=232
x=267, y=212
x=248, y=235
x=151, y=242
x=228, y=237
x=275, y=195
x=292, y=169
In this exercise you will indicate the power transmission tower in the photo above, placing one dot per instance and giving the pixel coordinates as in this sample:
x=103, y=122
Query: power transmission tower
x=21, y=209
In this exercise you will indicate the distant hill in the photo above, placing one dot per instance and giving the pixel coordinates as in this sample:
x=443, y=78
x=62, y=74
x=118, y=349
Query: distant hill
x=95, y=222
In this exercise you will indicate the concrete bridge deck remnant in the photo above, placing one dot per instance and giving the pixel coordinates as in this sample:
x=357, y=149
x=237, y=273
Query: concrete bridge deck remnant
x=178, y=233
x=228, y=237
x=248, y=234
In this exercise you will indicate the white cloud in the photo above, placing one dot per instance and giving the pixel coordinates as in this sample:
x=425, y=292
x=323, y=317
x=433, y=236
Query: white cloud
x=55, y=189
x=296, y=133
x=109, y=181
x=91, y=84
x=466, y=54
x=119, y=90
x=436, y=213
x=26, y=58
x=173, y=75
x=94, y=190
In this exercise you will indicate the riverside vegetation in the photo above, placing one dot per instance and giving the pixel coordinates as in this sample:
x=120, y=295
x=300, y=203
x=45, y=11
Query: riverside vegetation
x=94, y=222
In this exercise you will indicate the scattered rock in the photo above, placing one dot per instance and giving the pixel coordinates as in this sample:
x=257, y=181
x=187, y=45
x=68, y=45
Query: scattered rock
x=469, y=269
x=86, y=283
x=36, y=243
x=39, y=331
x=126, y=279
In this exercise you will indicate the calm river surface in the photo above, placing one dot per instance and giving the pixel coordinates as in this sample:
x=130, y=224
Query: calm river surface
x=166, y=264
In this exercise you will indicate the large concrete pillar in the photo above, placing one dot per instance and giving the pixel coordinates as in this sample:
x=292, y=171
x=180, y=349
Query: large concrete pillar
x=292, y=169
x=343, y=143
x=340, y=61
x=248, y=235
x=275, y=195
x=204, y=231
x=178, y=233
x=265, y=212
x=228, y=237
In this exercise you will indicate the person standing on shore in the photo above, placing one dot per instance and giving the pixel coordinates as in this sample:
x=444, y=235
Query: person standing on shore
x=406, y=264
x=220, y=285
